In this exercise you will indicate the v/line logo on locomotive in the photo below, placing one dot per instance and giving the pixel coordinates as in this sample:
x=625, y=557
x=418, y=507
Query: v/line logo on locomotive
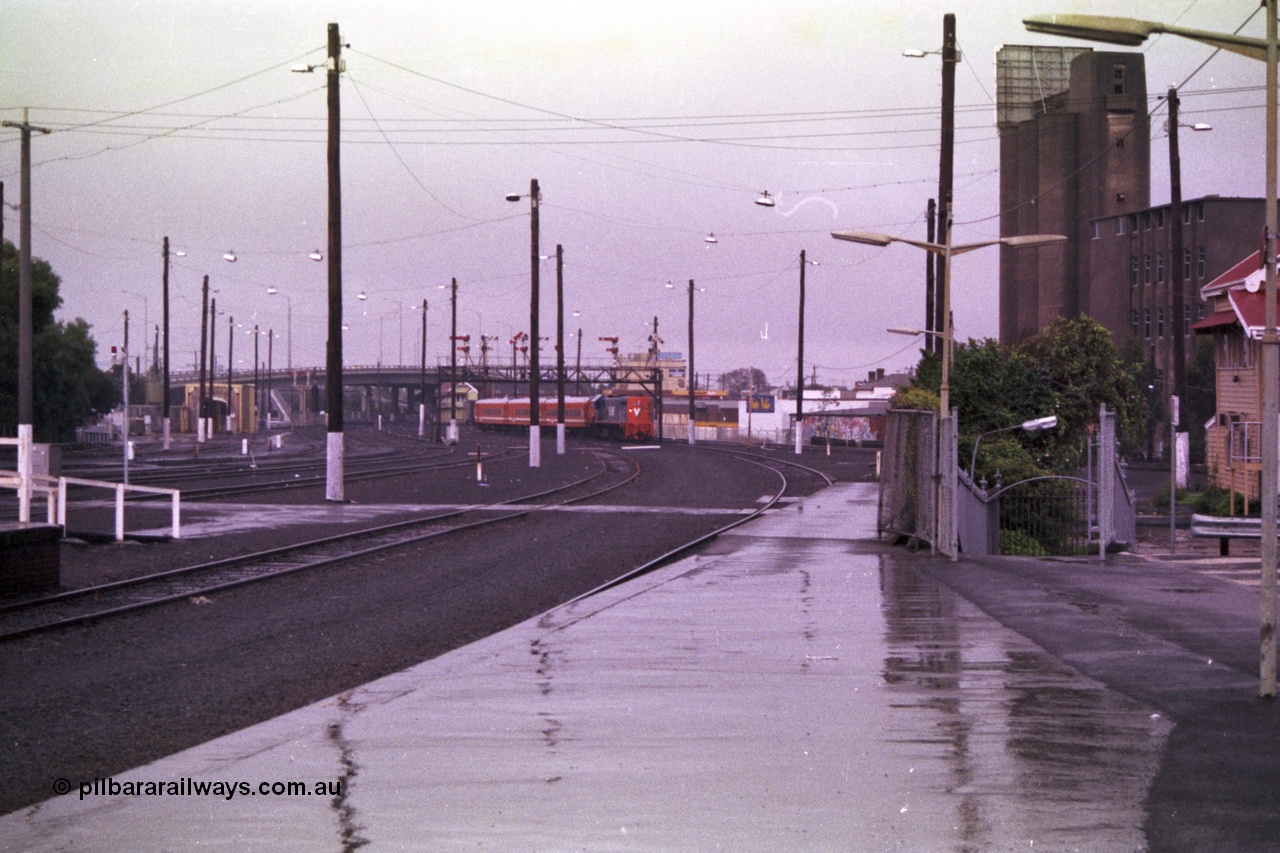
x=622, y=418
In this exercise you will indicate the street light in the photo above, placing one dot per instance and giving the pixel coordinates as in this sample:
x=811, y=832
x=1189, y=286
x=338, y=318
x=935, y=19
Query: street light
x=800, y=358
x=1130, y=32
x=1026, y=426
x=272, y=291
x=535, y=428
x=947, y=251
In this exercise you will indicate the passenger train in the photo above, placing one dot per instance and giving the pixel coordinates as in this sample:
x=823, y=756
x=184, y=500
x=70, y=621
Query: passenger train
x=626, y=418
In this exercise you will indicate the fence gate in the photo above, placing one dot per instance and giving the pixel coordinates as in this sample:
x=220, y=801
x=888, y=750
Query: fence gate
x=907, y=471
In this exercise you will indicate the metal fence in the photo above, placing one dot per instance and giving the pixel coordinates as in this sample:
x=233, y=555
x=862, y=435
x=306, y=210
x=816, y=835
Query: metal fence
x=908, y=464
x=1045, y=515
x=924, y=498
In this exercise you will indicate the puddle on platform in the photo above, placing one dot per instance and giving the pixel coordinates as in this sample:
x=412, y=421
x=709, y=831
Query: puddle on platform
x=1018, y=748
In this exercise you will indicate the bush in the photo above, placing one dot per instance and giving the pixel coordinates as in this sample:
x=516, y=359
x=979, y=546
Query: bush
x=1020, y=543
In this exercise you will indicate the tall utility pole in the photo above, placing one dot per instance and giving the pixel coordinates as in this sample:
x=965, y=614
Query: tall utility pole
x=1177, y=297
x=422, y=384
x=213, y=365
x=931, y=342
x=1270, y=374
x=26, y=407
x=231, y=345
x=535, y=421
x=334, y=489
x=800, y=365
x=201, y=408
x=257, y=393
x=124, y=396
x=559, y=350
x=453, y=361
x=271, y=341
x=945, y=169
x=693, y=377
x=164, y=415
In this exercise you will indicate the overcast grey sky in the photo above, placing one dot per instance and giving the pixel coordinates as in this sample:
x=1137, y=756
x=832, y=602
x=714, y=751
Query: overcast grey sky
x=648, y=125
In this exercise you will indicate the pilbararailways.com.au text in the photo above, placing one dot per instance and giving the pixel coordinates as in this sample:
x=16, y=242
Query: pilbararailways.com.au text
x=188, y=787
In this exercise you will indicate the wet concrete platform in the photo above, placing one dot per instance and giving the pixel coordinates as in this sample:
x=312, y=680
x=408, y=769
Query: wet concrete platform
x=794, y=687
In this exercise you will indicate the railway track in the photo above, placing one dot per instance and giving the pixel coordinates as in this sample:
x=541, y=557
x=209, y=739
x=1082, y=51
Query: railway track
x=89, y=604
x=778, y=466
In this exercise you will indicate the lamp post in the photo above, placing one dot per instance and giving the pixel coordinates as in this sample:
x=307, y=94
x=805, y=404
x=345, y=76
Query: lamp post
x=560, y=448
x=1131, y=32
x=422, y=377
x=1026, y=426
x=947, y=250
x=800, y=360
x=535, y=429
x=272, y=291
x=693, y=376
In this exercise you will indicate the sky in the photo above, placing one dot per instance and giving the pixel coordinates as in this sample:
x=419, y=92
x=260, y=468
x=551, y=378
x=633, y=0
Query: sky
x=649, y=127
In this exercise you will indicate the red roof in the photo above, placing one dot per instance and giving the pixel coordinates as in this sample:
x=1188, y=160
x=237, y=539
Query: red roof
x=1251, y=309
x=1239, y=275
x=1215, y=320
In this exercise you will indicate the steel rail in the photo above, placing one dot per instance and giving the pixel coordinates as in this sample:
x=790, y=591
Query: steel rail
x=511, y=509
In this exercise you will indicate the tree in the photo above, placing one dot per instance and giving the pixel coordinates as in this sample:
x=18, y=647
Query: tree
x=1067, y=370
x=1078, y=360
x=67, y=386
x=738, y=381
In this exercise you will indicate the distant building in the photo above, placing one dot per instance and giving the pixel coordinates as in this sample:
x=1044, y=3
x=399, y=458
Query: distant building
x=1131, y=268
x=671, y=367
x=1075, y=159
x=1074, y=149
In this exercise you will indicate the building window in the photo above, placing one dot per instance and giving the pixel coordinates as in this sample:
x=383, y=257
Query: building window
x=1146, y=220
x=1200, y=211
x=1159, y=322
x=1119, y=225
x=1133, y=270
x=1146, y=268
x=1186, y=214
x=1200, y=262
x=1097, y=229
x=1186, y=320
x=1133, y=320
x=1146, y=323
x=1186, y=264
x=1133, y=222
x=1160, y=266
x=1117, y=79
x=1160, y=218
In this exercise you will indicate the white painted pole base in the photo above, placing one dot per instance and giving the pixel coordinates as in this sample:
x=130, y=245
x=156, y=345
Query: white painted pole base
x=422, y=419
x=25, y=436
x=535, y=447
x=164, y=431
x=799, y=439
x=451, y=434
x=559, y=439
x=333, y=485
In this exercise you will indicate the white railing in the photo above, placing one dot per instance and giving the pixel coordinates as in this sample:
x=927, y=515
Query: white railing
x=120, y=488
x=54, y=490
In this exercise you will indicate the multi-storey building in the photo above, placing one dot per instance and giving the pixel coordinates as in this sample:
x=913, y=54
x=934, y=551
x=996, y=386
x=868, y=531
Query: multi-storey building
x=1075, y=159
x=1132, y=268
x=1074, y=148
